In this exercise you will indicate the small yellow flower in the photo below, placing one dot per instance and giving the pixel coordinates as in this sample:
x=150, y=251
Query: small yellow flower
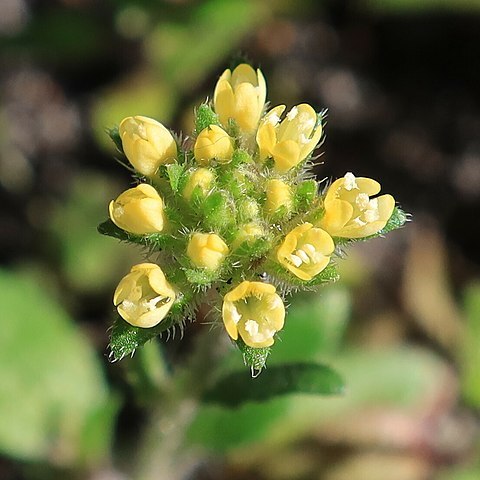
x=306, y=251
x=144, y=297
x=207, y=250
x=240, y=96
x=349, y=210
x=255, y=311
x=138, y=210
x=291, y=140
x=213, y=143
x=248, y=233
x=279, y=194
x=147, y=144
x=199, y=177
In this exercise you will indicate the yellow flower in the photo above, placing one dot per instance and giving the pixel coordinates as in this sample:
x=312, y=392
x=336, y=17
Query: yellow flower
x=247, y=233
x=138, y=210
x=349, y=210
x=279, y=194
x=291, y=140
x=306, y=251
x=144, y=297
x=240, y=96
x=200, y=177
x=207, y=250
x=147, y=144
x=213, y=143
x=255, y=311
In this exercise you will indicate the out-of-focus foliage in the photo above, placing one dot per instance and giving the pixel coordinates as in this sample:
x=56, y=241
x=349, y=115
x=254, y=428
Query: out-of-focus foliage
x=79, y=244
x=54, y=403
x=403, y=6
x=176, y=59
x=470, y=352
x=390, y=378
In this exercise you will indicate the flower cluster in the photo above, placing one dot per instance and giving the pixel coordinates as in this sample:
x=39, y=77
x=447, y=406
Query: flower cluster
x=232, y=216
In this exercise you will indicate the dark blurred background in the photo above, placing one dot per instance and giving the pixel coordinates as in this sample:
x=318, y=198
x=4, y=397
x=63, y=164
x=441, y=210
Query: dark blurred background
x=401, y=81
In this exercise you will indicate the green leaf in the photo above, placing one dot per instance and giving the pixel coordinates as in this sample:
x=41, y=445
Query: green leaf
x=220, y=25
x=238, y=387
x=255, y=358
x=470, y=351
x=109, y=229
x=205, y=117
x=200, y=276
x=126, y=338
x=174, y=171
x=52, y=382
x=218, y=211
x=317, y=322
x=426, y=7
x=114, y=134
x=240, y=156
x=305, y=194
x=397, y=379
x=397, y=220
x=155, y=240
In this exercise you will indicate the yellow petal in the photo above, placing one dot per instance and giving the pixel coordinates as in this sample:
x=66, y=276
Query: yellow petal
x=308, y=147
x=286, y=155
x=247, y=111
x=337, y=214
x=244, y=73
x=224, y=101
x=386, y=204
x=368, y=186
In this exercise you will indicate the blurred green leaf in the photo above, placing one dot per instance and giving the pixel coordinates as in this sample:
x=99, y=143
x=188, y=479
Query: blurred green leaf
x=221, y=429
x=470, y=352
x=414, y=6
x=239, y=387
x=460, y=473
x=173, y=47
x=397, y=379
x=90, y=261
x=141, y=93
x=317, y=322
x=51, y=381
x=147, y=373
x=54, y=34
x=98, y=432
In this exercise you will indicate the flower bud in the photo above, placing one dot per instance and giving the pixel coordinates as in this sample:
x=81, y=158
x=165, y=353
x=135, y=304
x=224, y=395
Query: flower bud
x=305, y=251
x=254, y=311
x=248, y=233
x=291, y=140
x=240, y=96
x=207, y=250
x=138, y=210
x=247, y=209
x=349, y=210
x=147, y=144
x=200, y=177
x=279, y=194
x=144, y=297
x=213, y=143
